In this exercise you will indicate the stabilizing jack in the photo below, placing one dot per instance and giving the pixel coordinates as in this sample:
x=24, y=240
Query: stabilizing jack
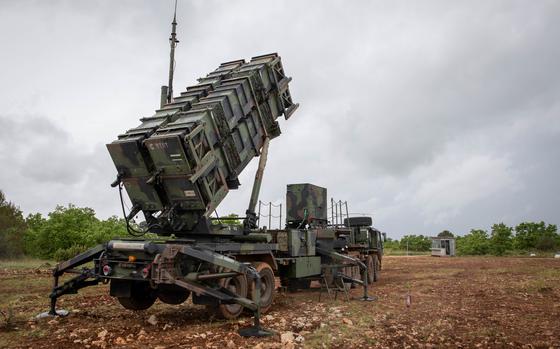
x=354, y=261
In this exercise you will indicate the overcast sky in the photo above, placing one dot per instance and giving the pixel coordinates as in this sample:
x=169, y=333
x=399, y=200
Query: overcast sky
x=428, y=115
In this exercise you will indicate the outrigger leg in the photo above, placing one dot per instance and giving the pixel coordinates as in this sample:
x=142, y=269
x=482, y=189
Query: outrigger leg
x=73, y=285
x=356, y=261
x=256, y=330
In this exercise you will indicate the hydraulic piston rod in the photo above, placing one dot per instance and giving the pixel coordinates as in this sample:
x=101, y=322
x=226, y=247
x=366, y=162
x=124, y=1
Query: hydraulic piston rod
x=250, y=221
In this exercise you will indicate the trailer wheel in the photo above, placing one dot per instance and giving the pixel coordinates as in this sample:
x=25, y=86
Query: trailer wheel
x=377, y=268
x=237, y=285
x=371, y=270
x=142, y=296
x=268, y=284
x=172, y=294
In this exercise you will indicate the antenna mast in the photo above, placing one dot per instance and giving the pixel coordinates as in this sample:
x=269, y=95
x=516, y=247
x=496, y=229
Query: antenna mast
x=173, y=43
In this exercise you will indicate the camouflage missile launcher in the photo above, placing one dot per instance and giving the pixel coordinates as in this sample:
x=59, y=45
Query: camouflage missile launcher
x=179, y=164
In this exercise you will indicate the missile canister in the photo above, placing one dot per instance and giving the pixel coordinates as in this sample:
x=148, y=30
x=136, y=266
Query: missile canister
x=180, y=163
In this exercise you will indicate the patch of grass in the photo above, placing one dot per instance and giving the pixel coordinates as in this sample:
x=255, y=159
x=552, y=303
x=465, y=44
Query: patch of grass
x=7, y=318
x=393, y=252
x=521, y=253
x=540, y=286
x=498, y=271
x=549, y=273
x=26, y=263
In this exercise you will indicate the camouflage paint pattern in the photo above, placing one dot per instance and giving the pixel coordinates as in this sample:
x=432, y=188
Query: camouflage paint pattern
x=184, y=159
x=306, y=203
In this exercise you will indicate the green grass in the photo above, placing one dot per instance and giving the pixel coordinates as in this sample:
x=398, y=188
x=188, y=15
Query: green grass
x=393, y=252
x=512, y=253
x=26, y=263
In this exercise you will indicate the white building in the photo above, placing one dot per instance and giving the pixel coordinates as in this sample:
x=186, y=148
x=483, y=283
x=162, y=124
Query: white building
x=443, y=246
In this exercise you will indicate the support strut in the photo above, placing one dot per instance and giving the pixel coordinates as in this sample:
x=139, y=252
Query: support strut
x=250, y=221
x=340, y=257
x=73, y=285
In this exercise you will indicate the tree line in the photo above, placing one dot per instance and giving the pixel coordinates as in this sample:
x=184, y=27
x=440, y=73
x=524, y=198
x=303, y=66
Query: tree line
x=69, y=230
x=63, y=233
x=500, y=240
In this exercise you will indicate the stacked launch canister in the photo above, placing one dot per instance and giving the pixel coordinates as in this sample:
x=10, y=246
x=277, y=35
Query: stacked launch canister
x=179, y=164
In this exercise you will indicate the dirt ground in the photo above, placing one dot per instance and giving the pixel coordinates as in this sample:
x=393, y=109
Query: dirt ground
x=454, y=302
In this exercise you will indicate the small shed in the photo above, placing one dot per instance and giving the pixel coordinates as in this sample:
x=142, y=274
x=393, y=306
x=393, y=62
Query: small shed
x=443, y=246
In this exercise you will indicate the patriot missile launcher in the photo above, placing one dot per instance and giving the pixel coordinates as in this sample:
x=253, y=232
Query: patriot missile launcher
x=180, y=163
x=177, y=166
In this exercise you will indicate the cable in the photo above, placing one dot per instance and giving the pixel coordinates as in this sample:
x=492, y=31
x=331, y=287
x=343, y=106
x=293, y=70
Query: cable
x=218, y=217
x=129, y=229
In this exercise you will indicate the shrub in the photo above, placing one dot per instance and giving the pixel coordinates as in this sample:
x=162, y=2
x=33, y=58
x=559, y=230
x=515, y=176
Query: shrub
x=501, y=239
x=415, y=243
x=546, y=243
x=68, y=253
x=67, y=227
x=476, y=242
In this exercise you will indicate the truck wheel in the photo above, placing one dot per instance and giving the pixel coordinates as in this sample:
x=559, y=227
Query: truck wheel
x=371, y=269
x=236, y=285
x=142, y=296
x=377, y=268
x=172, y=294
x=268, y=284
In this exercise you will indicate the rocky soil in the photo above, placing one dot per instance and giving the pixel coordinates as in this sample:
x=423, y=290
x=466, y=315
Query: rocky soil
x=422, y=302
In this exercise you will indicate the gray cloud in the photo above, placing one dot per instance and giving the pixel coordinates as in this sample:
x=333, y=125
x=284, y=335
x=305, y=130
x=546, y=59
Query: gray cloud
x=431, y=115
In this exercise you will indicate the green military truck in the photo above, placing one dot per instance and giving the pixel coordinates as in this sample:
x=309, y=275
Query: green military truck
x=366, y=243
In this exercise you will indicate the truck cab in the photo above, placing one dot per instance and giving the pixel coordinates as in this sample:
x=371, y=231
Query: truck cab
x=366, y=243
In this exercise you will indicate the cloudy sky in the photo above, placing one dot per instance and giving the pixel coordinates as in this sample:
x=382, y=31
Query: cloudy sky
x=428, y=115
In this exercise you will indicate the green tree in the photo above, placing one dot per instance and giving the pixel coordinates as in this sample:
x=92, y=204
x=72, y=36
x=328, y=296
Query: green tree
x=70, y=227
x=12, y=229
x=476, y=242
x=31, y=237
x=445, y=234
x=501, y=239
x=105, y=230
x=391, y=244
x=415, y=243
x=529, y=235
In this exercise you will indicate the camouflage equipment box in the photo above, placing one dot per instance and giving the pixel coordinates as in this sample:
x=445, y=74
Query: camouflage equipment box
x=306, y=204
x=180, y=163
x=295, y=242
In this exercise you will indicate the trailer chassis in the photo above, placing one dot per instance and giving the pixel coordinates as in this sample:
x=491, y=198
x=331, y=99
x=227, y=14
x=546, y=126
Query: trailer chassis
x=163, y=271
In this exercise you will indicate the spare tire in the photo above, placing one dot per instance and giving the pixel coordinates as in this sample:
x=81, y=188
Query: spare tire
x=358, y=222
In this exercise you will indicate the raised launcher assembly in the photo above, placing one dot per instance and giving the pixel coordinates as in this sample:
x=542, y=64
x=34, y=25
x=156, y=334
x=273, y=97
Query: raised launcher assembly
x=179, y=164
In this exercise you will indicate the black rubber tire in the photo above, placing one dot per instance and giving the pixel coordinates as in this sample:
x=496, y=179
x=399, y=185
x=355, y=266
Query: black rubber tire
x=142, y=296
x=371, y=269
x=358, y=222
x=377, y=269
x=172, y=294
x=238, y=285
x=268, y=284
